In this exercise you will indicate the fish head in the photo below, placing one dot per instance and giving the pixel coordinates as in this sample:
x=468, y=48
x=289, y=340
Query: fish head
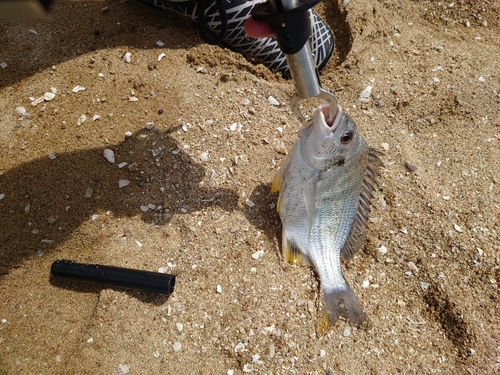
x=326, y=142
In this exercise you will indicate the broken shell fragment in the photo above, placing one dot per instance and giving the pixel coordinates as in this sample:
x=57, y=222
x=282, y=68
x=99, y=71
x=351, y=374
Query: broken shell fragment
x=35, y=102
x=272, y=101
x=365, y=95
x=78, y=88
x=48, y=96
x=109, y=155
x=123, y=183
x=21, y=111
x=81, y=119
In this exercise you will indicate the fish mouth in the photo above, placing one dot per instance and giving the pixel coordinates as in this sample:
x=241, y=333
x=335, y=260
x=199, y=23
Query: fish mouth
x=331, y=118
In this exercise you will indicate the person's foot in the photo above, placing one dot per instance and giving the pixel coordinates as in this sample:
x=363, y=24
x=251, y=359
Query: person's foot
x=228, y=27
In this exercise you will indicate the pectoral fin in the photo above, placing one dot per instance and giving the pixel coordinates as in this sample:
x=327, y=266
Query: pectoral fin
x=309, y=192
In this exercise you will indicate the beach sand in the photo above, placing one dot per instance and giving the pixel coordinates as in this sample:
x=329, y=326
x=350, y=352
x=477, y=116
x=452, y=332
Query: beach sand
x=204, y=143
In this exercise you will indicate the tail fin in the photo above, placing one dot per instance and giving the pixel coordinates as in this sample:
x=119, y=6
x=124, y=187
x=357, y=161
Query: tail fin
x=343, y=302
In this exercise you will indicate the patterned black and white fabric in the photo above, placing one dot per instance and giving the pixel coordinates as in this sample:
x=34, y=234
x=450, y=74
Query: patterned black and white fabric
x=262, y=50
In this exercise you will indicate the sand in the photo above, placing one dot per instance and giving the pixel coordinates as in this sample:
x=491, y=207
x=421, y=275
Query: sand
x=427, y=276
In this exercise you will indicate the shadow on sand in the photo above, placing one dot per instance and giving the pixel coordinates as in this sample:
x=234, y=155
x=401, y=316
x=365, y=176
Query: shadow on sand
x=48, y=199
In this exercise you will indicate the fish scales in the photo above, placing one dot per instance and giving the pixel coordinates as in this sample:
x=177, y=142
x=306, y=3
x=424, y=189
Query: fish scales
x=326, y=184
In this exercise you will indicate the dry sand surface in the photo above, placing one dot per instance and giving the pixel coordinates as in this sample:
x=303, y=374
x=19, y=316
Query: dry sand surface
x=428, y=275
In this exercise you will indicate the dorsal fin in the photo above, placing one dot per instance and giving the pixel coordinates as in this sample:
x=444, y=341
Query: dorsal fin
x=357, y=234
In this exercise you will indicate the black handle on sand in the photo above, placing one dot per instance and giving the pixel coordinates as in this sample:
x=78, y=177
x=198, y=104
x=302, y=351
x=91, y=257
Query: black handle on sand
x=114, y=276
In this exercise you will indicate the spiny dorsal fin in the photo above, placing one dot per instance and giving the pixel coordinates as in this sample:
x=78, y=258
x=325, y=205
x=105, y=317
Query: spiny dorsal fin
x=357, y=234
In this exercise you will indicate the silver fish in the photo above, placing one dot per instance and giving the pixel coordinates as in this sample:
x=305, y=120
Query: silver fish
x=326, y=184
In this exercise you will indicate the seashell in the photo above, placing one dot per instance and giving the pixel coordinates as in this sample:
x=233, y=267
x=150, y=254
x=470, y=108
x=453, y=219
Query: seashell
x=109, y=155
x=81, y=119
x=78, y=88
x=365, y=95
x=35, y=102
x=48, y=96
x=20, y=110
x=272, y=101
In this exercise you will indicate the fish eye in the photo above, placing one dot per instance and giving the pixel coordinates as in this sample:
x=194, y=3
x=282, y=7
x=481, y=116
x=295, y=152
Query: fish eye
x=346, y=137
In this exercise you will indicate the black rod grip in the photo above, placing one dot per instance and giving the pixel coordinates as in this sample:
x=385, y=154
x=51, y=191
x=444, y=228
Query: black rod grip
x=114, y=276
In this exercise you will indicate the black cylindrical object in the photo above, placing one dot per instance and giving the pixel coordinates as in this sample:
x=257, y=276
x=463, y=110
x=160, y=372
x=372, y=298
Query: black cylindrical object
x=289, y=20
x=114, y=276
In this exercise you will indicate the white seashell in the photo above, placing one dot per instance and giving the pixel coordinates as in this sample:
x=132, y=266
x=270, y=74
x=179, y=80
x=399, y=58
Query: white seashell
x=51, y=156
x=258, y=254
x=272, y=101
x=123, y=369
x=133, y=99
x=149, y=125
x=177, y=346
x=122, y=164
x=20, y=110
x=96, y=117
x=160, y=43
x=382, y=250
x=100, y=75
x=123, y=183
x=481, y=79
x=179, y=326
x=219, y=288
x=457, y=228
x=161, y=56
x=109, y=155
x=127, y=57
x=2, y=196
x=128, y=134
x=78, y=88
x=240, y=347
x=249, y=203
x=48, y=96
x=3, y=65
x=35, y=102
x=204, y=156
x=31, y=31
x=81, y=119
x=365, y=95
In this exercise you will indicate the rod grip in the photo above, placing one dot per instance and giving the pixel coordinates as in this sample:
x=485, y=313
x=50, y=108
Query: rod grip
x=114, y=276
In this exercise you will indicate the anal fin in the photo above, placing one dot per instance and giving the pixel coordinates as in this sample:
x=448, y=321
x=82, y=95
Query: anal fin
x=291, y=254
